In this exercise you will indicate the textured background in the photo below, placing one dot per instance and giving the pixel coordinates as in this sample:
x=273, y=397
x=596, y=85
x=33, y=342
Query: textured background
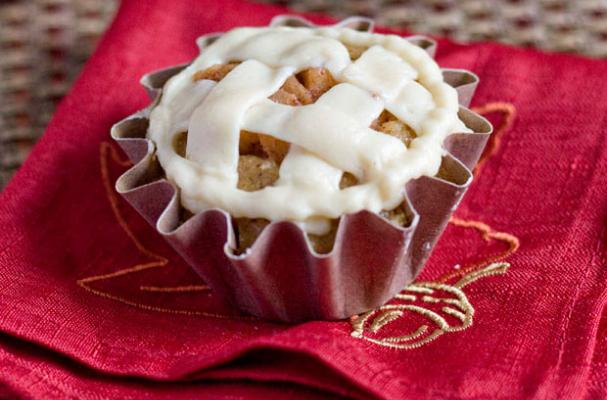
x=43, y=43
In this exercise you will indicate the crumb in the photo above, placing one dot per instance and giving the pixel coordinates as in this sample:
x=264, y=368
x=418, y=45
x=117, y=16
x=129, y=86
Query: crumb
x=247, y=231
x=399, y=215
x=323, y=244
x=446, y=173
x=347, y=180
x=180, y=141
x=255, y=173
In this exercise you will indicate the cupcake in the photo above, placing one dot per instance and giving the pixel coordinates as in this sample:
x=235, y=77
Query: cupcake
x=304, y=172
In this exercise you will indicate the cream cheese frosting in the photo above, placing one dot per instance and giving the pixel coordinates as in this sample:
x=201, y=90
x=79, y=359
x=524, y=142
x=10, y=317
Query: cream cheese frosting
x=327, y=138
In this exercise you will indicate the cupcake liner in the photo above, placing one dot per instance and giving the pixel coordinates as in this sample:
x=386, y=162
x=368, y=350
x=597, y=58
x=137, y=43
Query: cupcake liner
x=281, y=277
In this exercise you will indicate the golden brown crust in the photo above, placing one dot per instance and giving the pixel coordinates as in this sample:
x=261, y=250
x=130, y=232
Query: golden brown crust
x=215, y=72
x=355, y=51
x=317, y=81
x=249, y=144
x=275, y=149
x=283, y=97
x=399, y=130
x=390, y=125
x=293, y=86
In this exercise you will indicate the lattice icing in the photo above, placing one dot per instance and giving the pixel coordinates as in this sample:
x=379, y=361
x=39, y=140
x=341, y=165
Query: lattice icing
x=327, y=138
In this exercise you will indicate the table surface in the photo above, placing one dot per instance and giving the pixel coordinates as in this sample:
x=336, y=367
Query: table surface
x=44, y=43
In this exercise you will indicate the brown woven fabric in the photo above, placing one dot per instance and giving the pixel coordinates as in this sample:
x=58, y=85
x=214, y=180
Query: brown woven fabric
x=43, y=43
x=556, y=25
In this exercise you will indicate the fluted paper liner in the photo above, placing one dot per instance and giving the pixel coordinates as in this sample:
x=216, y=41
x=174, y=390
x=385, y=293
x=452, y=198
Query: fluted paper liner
x=281, y=277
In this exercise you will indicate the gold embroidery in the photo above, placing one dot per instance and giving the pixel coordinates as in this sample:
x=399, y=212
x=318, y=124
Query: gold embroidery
x=455, y=313
x=488, y=234
x=412, y=336
x=409, y=297
x=106, y=151
x=385, y=318
x=169, y=289
x=419, y=289
x=367, y=326
x=429, y=299
x=509, y=115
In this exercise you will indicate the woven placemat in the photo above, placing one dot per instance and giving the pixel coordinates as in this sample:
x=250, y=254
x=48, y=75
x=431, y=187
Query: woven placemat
x=43, y=43
x=556, y=25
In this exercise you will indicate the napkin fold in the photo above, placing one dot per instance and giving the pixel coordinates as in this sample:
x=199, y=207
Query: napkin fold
x=94, y=304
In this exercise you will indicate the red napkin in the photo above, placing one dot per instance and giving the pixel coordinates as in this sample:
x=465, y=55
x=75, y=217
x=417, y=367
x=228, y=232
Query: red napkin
x=94, y=304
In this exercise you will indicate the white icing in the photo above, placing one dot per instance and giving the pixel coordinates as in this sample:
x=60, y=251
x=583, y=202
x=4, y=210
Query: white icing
x=327, y=138
x=380, y=71
x=412, y=105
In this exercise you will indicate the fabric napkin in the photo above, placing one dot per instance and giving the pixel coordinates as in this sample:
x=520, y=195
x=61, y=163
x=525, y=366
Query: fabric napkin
x=94, y=304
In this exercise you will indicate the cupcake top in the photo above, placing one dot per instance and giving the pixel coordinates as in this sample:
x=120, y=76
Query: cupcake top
x=270, y=122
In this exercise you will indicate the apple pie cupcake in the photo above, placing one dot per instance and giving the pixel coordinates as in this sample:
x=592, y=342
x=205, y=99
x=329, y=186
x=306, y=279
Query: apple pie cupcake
x=304, y=172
